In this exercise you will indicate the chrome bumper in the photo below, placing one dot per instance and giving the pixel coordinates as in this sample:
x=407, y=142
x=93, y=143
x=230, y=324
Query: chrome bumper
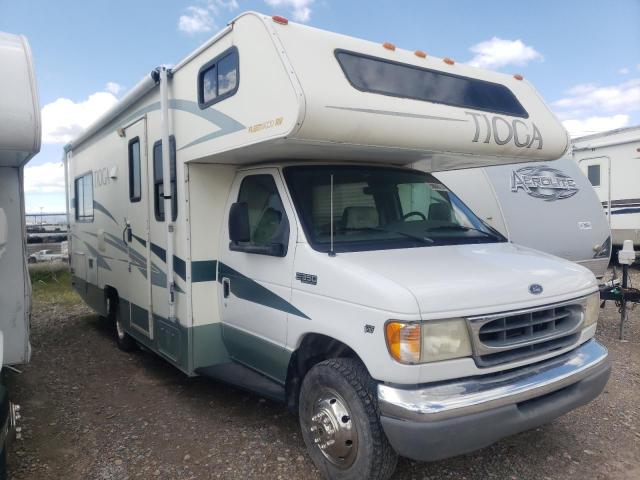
x=478, y=394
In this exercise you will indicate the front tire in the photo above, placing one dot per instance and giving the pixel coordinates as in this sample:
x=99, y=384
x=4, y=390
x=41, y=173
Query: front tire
x=124, y=341
x=340, y=422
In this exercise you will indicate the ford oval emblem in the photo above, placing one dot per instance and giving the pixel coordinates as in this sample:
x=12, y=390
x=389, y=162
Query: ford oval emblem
x=535, y=289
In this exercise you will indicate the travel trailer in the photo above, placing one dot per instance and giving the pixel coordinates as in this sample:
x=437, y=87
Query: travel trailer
x=249, y=215
x=19, y=141
x=611, y=161
x=549, y=206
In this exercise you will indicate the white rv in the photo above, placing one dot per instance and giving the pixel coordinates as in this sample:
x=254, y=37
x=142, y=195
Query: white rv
x=19, y=141
x=611, y=161
x=549, y=206
x=249, y=216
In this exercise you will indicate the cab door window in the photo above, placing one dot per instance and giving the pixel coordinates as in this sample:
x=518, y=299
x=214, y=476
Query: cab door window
x=267, y=218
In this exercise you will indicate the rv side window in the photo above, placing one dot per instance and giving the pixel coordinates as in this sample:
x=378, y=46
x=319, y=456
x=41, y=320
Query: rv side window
x=158, y=186
x=385, y=77
x=218, y=79
x=593, y=173
x=267, y=218
x=134, y=170
x=84, y=198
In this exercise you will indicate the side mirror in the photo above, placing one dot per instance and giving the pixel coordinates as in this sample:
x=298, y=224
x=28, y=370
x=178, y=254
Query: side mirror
x=239, y=223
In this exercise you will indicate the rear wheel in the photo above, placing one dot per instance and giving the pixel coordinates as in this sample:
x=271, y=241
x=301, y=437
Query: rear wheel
x=340, y=422
x=124, y=341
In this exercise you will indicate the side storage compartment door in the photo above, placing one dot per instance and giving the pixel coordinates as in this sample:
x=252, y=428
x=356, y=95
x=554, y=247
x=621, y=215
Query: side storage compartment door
x=256, y=285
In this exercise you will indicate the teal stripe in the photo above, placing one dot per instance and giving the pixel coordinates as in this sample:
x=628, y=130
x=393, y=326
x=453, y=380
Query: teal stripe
x=203, y=271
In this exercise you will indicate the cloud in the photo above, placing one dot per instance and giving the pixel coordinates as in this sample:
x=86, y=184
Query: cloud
x=624, y=97
x=45, y=178
x=301, y=9
x=589, y=125
x=200, y=18
x=623, y=71
x=63, y=119
x=113, y=87
x=497, y=52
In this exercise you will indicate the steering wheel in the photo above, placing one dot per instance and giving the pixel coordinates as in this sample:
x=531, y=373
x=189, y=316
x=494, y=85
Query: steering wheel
x=411, y=214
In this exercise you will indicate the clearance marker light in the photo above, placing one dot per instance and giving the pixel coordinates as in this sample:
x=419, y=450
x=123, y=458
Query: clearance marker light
x=420, y=53
x=389, y=46
x=280, y=20
x=448, y=61
x=517, y=76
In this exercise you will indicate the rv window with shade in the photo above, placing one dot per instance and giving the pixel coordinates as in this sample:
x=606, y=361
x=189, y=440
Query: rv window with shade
x=134, y=170
x=593, y=173
x=218, y=79
x=378, y=75
x=84, y=198
x=158, y=180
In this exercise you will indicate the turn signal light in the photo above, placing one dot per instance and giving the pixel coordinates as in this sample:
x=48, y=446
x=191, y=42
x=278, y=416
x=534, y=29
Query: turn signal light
x=280, y=20
x=404, y=341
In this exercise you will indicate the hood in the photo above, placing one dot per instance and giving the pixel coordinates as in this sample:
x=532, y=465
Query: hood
x=464, y=280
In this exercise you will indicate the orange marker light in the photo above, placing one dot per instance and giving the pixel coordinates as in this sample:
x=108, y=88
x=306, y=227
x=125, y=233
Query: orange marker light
x=517, y=76
x=404, y=341
x=389, y=46
x=420, y=53
x=448, y=61
x=280, y=20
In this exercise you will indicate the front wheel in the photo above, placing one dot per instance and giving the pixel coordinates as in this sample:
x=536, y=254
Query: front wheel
x=340, y=422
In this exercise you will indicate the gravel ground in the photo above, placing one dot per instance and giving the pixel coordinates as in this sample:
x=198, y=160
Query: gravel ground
x=91, y=411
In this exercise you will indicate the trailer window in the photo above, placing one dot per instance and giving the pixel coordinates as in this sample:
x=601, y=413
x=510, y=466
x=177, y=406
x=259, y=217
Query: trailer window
x=218, y=79
x=84, y=198
x=134, y=170
x=267, y=218
x=378, y=75
x=158, y=179
x=593, y=173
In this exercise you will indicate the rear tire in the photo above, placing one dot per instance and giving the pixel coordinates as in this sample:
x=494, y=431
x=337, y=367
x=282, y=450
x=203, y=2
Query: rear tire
x=340, y=422
x=125, y=342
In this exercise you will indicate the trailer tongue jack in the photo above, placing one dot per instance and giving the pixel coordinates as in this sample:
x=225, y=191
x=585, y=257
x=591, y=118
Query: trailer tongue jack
x=621, y=294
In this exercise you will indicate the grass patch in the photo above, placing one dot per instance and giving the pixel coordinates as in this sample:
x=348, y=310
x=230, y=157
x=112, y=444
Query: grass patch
x=51, y=283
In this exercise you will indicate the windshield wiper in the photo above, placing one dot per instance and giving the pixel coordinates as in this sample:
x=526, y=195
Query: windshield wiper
x=422, y=239
x=463, y=228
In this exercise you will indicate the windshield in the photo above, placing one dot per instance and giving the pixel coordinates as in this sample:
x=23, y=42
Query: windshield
x=379, y=208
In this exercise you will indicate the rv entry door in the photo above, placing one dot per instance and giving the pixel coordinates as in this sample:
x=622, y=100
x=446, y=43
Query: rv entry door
x=136, y=227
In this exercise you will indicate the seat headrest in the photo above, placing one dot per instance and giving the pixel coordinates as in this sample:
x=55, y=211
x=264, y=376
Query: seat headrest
x=360, y=217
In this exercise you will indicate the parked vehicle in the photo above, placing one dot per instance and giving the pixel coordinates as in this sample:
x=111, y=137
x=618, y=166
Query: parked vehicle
x=19, y=141
x=549, y=206
x=611, y=161
x=46, y=256
x=250, y=216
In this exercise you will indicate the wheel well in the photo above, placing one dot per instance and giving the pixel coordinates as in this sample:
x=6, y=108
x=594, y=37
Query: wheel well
x=313, y=349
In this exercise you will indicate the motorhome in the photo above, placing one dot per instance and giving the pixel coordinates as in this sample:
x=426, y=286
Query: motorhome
x=548, y=206
x=611, y=161
x=19, y=141
x=249, y=215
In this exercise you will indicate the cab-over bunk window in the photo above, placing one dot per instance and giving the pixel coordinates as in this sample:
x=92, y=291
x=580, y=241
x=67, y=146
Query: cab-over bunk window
x=219, y=78
x=158, y=180
x=84, y=198
x=385, y=77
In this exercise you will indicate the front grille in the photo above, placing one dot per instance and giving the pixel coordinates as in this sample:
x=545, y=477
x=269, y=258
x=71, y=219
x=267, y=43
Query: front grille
x=514, y=336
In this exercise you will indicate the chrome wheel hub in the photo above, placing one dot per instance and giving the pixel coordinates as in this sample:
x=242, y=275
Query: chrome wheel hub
x=332, y=429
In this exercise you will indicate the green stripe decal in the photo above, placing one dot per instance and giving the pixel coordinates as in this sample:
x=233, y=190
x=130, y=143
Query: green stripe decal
x=203, y=271
x=251, y=291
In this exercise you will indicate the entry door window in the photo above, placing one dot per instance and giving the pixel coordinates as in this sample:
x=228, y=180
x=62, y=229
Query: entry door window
x=593, y=173
x=267, y=218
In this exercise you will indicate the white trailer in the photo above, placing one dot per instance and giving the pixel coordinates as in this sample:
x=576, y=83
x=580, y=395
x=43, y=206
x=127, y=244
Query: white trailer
x=19, y=141
x=548, y=206
x=288, y=248
x=611, y=161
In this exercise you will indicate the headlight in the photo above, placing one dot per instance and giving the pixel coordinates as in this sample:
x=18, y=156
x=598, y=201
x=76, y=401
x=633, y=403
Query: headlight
x=429, y=341
x=591, y=309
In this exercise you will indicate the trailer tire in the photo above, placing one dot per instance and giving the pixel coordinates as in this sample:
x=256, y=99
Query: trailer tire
x=125, y=342
x=340, y=422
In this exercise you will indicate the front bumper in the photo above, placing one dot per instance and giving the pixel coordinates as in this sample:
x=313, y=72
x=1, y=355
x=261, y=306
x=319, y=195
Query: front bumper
x=451, y=418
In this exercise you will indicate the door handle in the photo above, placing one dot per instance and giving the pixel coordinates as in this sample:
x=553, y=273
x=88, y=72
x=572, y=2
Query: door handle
x=226, y=287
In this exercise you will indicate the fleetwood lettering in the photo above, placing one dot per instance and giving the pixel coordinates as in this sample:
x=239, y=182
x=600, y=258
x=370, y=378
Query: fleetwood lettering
x=503, y=131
